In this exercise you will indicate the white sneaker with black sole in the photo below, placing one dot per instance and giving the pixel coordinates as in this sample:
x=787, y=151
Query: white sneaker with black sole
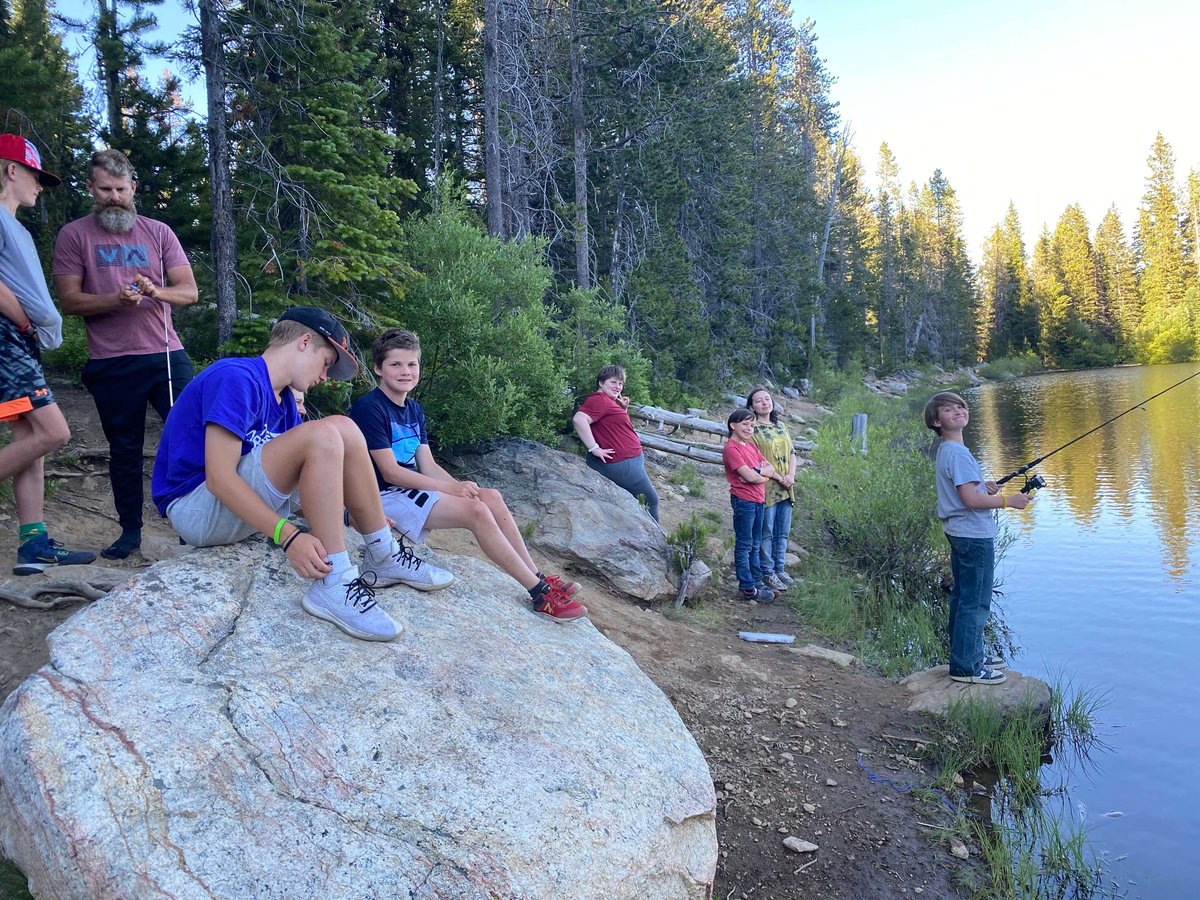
x=350, y=605
x=402, y=566
x=985, y=676
x=994, y=662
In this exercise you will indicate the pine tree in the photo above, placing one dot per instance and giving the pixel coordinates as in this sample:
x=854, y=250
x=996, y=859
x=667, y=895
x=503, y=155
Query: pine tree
x=40, y=97
x=1007, y=319
x=316, y=206
x=1166, y=332
x=1118, y=281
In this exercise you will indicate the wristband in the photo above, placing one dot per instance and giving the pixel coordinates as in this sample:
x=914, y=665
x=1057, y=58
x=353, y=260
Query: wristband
x=593, y=447
x=26, y=328
x=1003, y=502
x=292, y=537
x=278, y=529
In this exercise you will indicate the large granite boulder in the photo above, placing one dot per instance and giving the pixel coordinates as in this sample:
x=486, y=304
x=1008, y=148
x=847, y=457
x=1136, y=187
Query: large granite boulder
x=196, y=734
x=578, y=516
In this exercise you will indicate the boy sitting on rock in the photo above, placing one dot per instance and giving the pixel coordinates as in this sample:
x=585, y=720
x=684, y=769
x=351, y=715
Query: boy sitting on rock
x=420, y=496
x=235, y=458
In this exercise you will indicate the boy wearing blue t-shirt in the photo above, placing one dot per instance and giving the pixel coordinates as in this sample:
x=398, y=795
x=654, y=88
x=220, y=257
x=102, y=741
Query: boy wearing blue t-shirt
x=964, y=504
x=235, y=458
x=420, y=496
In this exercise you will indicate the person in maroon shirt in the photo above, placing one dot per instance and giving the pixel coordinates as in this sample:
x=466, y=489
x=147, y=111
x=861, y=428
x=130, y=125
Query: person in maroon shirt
x=747, y=472
x=613, y=448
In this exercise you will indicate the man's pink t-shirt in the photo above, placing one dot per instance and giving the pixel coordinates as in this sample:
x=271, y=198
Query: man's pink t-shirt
x=735, y=456
x=107, y=262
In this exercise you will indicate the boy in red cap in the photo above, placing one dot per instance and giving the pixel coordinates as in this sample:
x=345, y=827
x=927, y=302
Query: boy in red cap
x=29, y=323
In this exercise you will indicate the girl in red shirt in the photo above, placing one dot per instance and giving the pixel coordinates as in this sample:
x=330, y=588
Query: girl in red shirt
x=747, y=472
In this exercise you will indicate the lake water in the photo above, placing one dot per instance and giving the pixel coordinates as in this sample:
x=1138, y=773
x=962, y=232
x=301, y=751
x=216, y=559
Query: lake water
x=1102, y=585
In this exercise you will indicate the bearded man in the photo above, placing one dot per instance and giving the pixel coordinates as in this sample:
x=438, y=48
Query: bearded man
x=123, y=273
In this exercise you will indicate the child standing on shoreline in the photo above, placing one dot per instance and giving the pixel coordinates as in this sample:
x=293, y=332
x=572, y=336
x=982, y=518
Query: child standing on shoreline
x=964, y=505
x=747, y=473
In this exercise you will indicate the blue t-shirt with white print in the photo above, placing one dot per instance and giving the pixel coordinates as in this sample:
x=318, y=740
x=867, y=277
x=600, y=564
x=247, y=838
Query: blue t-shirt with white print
x=233, y=393
x=387, y=425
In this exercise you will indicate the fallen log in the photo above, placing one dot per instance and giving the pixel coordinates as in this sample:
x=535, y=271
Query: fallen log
x=657, y=442
x=679, y=420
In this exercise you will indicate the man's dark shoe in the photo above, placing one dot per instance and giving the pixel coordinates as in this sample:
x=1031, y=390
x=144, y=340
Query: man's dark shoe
x=130, y=540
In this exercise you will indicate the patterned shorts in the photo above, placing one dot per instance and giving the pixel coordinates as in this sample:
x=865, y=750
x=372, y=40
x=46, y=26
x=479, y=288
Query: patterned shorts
x=23, y=387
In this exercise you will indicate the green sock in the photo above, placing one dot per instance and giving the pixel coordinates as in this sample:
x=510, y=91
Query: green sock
x=30, y=531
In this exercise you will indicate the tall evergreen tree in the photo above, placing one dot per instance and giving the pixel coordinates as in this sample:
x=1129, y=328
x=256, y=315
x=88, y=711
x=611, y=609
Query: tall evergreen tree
x=317, y=208
x=40, y=97
x=1117, y=273
x=1166, y=332
x=1007, y=318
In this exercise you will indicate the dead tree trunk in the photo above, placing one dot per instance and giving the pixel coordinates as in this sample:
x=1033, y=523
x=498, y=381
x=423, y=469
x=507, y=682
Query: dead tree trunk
x=583, y=270
x=224, y=249
x=491, y=120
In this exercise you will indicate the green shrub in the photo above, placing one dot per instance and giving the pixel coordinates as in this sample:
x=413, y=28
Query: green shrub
x=688, y=476
x=1011, y=366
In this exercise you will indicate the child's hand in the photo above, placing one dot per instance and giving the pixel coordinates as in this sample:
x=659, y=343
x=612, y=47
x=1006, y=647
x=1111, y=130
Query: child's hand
x=306, y=555
x=601, y=453
x=468, y=490
x=992, y=487
x=623, y=401
x=1018, y=501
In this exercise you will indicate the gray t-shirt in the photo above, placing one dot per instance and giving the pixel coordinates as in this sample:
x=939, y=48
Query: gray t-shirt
x=22, y=274
x=954, y=466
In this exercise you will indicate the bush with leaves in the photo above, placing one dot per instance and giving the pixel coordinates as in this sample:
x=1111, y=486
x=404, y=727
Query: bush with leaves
x=478, y=305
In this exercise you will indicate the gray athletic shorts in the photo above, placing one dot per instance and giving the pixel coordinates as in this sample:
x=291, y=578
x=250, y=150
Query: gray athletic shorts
x=201, y=520
x=409, y=508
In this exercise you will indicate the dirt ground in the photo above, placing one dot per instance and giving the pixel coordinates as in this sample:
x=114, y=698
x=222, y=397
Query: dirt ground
x=783, y=733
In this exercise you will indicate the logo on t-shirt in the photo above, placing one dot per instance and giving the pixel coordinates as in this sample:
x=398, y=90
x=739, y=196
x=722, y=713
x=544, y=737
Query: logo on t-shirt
x=405, y=441
x=131, y=256
x=260, y=437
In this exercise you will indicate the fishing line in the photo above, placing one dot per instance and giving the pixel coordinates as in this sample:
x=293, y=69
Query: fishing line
x=1033, y=482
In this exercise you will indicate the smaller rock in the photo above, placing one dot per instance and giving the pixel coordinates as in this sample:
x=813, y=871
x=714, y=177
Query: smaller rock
x=959, y=849
x=958, y=780
x=829, y=782
x=790, y=392
x=838, y=723
x=756, y=822
x=782, y=829
x=791, y=702
x=796, y=845
x=809, y=808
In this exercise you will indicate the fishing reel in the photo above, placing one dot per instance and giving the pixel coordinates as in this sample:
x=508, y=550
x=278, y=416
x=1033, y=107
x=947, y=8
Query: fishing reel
x=1033, y=482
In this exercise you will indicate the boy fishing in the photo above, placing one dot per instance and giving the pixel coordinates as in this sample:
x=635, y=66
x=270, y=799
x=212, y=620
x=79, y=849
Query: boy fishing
x=235, y=458
x=964, y=505
x=420, y=496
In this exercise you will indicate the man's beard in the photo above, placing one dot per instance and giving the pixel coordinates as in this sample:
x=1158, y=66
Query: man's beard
x=117, y=219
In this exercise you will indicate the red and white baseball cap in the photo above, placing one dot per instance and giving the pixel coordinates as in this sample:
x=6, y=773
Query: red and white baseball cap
x=19, y=149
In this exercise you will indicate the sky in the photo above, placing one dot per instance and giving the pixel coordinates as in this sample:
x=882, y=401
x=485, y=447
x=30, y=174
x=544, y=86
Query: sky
x=1043, y=104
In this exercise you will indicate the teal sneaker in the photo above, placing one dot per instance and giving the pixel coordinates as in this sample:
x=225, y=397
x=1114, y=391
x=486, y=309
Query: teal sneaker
x=38, y=554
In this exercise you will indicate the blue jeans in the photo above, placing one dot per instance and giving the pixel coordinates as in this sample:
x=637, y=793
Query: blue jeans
x=629, y=474
x=747, y=538
x=776, y=527
x=972, y=564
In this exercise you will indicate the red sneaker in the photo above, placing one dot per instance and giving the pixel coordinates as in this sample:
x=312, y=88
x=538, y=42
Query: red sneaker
x=570, y=588
x=557, y=605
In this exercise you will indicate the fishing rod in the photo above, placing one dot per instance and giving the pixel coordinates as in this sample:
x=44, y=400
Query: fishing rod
x=1033, y=482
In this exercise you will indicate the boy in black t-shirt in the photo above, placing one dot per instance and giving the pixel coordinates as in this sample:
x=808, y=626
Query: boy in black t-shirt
x=420, y=496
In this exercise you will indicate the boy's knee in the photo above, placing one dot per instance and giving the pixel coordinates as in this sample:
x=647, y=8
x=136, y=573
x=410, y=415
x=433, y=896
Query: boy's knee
x=493, y=498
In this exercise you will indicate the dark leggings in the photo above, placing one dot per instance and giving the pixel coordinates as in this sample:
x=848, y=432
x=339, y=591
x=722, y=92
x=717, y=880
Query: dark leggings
x=629, y=474
x=121, y=387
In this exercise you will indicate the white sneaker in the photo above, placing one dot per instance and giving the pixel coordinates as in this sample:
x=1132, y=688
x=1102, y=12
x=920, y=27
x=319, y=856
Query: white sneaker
x=351, y=607
x=785, y=578
x=404, y=567
x=775, y=583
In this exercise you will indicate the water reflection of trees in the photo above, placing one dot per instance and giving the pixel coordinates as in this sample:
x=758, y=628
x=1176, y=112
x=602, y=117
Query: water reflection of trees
x=1148, y=458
